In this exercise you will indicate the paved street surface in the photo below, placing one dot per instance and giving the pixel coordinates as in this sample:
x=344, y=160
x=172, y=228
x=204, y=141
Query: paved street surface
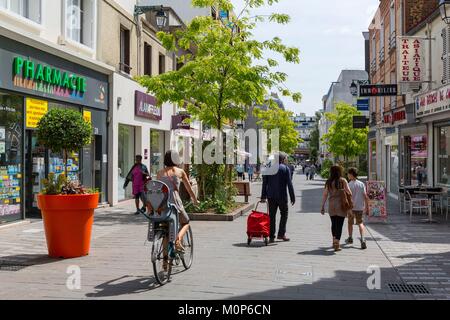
x=118, y=266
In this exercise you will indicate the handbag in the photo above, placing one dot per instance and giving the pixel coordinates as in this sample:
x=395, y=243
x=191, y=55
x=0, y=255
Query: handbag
x=346, y=199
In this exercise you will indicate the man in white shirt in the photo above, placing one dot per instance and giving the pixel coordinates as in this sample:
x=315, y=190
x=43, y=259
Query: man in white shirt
x=360, y=205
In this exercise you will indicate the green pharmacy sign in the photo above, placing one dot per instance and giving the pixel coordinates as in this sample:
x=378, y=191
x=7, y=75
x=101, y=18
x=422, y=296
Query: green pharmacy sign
x=45, y=74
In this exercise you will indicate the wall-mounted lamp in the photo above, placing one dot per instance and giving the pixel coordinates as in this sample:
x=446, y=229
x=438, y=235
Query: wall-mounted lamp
x=119, y=102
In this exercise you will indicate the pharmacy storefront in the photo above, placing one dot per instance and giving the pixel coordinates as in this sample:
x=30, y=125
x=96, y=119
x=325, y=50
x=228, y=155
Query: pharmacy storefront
x=31, y=83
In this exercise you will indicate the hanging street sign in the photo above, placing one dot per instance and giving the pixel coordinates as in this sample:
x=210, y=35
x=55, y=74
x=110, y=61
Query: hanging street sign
x=362, y=105
x=378, y=90
x=360, y=122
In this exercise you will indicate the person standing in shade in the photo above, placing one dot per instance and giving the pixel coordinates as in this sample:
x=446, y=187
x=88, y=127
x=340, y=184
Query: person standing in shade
x=360, y=205
x=138, y=175
x=332, y=193
x=240, y=171
x=274, y=190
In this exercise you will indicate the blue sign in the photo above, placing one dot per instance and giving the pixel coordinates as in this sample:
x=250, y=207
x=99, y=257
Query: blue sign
x=362, y=105
x=223, y=14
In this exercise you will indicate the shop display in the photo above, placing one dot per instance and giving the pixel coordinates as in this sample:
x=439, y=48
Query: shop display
x=376, y=191
x=57, y=166
x=10, y=189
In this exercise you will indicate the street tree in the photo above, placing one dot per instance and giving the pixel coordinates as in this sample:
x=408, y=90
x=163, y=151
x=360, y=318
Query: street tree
x=342, y=139
x=276, y=118
x=223, y=71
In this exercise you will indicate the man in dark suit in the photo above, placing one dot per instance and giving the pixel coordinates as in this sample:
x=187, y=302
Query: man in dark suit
x=274, y=189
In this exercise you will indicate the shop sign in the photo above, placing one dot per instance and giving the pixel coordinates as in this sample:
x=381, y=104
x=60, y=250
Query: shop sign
x=87, y=115
x=378, y=90
x=362, y=105
x=395, y=117
x=31, y=71
x=146, y=106
x=179, y=121
x=35, y=110
x=360, y=122
x=433, y=102
x=411, y=56
x=34, y=72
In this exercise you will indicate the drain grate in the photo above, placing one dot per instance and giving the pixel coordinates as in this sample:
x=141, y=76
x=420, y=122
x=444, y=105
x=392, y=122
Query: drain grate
x=11, y=266
x=409, y=288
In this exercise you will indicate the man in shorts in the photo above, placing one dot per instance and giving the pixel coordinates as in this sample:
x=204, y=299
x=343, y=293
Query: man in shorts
x=360, y=206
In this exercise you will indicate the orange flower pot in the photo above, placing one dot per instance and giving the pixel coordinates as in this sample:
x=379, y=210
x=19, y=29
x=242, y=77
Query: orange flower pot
x=68, y=223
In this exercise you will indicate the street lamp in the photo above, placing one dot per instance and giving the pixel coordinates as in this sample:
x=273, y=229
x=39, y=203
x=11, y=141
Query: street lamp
x=161, y=16
x=444, y=6
x=354, y=89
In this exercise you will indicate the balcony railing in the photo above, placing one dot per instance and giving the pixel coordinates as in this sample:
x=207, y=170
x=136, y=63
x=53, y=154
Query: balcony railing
x=381, y=55
x=392, y=41
x=373, y=66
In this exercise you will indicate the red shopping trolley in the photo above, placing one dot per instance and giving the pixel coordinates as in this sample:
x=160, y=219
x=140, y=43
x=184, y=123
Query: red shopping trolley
x=258, y=225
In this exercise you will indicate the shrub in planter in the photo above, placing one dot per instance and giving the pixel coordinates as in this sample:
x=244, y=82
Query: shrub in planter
x=67, y=207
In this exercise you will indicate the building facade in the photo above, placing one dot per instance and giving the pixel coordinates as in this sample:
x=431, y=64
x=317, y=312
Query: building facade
x=304, y=126
x=48, y=62
x=399, y=143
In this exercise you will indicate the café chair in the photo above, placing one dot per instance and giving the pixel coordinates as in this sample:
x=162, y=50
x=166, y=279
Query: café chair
x=417, y=202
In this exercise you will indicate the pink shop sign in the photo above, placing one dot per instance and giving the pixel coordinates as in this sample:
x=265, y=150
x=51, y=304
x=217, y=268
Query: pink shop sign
x=146, y=107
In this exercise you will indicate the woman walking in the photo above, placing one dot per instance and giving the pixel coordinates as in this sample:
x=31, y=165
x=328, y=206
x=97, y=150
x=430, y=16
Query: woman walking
x=333, y=192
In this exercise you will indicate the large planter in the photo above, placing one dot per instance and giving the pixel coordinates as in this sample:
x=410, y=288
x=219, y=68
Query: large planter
x=68, y=223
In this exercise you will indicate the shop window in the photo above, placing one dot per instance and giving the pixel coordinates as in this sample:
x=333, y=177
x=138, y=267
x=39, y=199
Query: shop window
x=443, y=156
x=418, y=162
x=11, y=171
x=156, y=151
x=30, y=9
x=80, y=16
x=126, y=158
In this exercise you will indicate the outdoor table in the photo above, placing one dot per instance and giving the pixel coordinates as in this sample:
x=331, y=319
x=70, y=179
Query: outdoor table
x=430, y=194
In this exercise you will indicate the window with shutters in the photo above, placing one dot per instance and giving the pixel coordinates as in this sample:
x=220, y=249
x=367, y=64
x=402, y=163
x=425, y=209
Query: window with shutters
x=147, y=59
x=445, y=56
x=80, y=17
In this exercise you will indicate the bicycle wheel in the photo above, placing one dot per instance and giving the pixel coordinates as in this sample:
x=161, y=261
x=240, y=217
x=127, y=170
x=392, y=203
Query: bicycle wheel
x=188, y=244
x=162, y=273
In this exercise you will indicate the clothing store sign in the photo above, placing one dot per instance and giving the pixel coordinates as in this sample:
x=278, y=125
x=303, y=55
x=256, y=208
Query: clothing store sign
x=433, y=102
x=146, y=107
x=411, y=58
x=378, y=90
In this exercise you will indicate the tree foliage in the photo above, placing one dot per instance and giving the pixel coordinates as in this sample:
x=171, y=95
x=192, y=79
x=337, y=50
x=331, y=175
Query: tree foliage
x=342, y=139
x=64, y=130
x=276, y=118
x=315, y=139
x=221, y=78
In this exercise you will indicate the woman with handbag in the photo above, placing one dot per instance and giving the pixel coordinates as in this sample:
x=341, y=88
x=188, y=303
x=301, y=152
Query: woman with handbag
x=339, y=197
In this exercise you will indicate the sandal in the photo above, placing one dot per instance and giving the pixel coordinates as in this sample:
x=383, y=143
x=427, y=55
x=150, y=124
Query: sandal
x=336, y=246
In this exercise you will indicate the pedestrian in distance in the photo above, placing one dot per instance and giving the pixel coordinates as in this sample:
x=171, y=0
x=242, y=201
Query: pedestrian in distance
x=274, y=190
x=360, y=206
x=240, y=171
x=312, y=172
x=333, y=193
x=138, y=175
x=307, y=171
x=250, y=173
x=291, y=168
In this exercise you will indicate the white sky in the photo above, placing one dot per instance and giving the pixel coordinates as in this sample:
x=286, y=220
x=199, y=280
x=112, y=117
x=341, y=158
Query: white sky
x=329, y=36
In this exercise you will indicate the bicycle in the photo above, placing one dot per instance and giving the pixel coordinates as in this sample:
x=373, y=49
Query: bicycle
x=161, y=232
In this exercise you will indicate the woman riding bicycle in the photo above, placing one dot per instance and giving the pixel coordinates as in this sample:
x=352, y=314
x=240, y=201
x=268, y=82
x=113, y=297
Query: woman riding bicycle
x=172, y=176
